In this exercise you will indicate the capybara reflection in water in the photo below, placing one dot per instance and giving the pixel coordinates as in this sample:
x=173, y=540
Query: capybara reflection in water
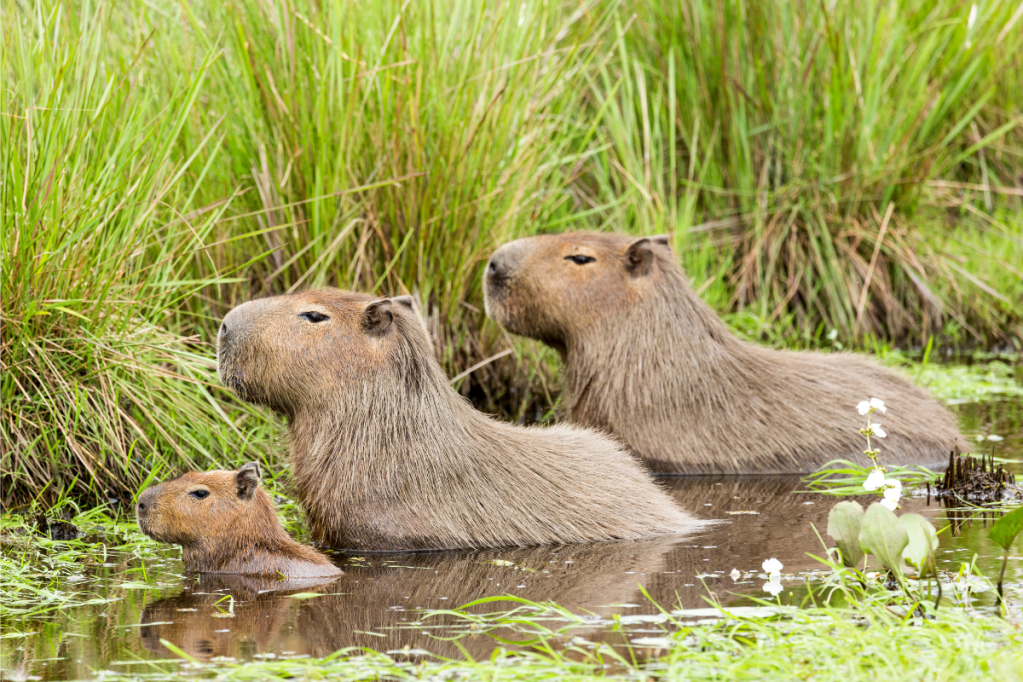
x=387, y=456
x=650, y=362
x=226, y=523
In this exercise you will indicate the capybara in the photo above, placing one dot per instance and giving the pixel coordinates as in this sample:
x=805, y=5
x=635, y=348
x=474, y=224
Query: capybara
x=387, y=456
x=226, y=523
x=648, y=361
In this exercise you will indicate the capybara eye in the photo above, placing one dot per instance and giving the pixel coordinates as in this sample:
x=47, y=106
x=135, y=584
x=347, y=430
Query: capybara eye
x=580, y=259
x=200, y=494
x=313, y=317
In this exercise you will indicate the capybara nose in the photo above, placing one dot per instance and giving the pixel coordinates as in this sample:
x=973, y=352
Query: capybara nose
x=145, y=502
x=496, y=267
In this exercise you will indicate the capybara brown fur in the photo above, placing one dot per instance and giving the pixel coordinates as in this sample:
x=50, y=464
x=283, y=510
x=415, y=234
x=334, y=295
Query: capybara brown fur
x=226, y=523
x=387, y=456
x=648, y=361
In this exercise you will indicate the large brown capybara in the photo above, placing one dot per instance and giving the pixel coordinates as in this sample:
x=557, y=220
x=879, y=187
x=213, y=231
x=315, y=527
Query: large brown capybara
x=226, y=523
x=386, y=456
x=650, y=362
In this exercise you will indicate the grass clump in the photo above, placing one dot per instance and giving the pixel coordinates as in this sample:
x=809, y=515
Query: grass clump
x=101, y=234
x=816, y=161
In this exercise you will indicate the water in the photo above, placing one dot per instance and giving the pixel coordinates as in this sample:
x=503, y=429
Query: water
x=390, y=602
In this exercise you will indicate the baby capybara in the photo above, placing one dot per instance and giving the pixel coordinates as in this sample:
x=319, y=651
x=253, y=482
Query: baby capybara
x=648, y=361
x=387, y=456
x=226, y=523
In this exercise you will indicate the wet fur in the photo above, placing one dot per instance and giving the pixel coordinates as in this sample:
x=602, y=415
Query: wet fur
x=649, y=361
x=227, y=532
x=386, y=456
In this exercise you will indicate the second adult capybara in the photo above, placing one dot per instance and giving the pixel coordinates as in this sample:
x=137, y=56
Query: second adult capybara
x=226, y=523
x=650, y=362
x=387, y=456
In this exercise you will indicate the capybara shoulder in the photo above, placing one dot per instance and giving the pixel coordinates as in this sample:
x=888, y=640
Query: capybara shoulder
x=648, y=361
x=226, y=523
x=387, y=456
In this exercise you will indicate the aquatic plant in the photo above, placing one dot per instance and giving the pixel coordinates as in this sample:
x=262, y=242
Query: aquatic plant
x=892, y=540
x=1003, y=532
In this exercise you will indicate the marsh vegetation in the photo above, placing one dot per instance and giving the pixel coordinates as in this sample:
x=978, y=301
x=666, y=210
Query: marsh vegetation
x=832, y=176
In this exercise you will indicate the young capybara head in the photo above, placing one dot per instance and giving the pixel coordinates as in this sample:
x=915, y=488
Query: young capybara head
x=552, y=286
x=225, y=522
x=202, y=506
x=295, y=352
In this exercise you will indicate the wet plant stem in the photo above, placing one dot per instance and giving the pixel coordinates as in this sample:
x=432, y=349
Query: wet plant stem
x=1001, y=576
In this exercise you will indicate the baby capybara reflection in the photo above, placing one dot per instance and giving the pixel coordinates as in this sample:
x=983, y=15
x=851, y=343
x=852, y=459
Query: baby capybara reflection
x=226, y=523
x=648, y=361
x=387, y=456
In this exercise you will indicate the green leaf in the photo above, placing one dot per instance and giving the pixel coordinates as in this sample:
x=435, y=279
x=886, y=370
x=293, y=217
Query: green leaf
x=1005, y=529
x=882, y=535
x=923, y=540
x=844, y=527
x=305, y=595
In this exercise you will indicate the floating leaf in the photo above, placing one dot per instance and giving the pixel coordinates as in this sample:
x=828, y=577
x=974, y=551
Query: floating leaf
x=923, y=540
x=844, y=527
x=1005, y=529
x=882, y=535
x=305, y=595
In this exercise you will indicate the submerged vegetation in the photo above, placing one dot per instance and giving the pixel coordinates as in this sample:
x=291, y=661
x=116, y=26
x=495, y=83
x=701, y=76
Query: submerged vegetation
x=827, y=172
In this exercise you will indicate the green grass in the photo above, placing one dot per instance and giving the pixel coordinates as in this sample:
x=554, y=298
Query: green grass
x=163, y=161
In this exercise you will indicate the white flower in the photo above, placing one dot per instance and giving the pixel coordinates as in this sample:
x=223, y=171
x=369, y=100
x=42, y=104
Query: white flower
x=994, y=438
x=773, y=586
x=875, y=481
x=735, y=575
x=772, y=567
x=875, y=430
x=865, y=406
x=892, y=493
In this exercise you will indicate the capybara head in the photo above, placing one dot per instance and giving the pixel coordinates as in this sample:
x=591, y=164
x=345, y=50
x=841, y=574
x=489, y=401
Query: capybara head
x=204, y=507
x=298, y=351
x=551, y=286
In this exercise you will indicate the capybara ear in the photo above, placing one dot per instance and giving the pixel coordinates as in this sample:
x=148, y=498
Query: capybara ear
x=662, y=240
x=376, y=318
x=247, y=480
x=403, y=300
x=639, y=257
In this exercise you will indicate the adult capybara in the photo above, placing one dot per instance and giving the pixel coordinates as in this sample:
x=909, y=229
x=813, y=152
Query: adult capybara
x=387, y=456
x=650, y=362
x=226, y=523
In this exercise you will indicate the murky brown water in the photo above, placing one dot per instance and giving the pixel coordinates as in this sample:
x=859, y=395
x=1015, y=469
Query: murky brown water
x=383, y=601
